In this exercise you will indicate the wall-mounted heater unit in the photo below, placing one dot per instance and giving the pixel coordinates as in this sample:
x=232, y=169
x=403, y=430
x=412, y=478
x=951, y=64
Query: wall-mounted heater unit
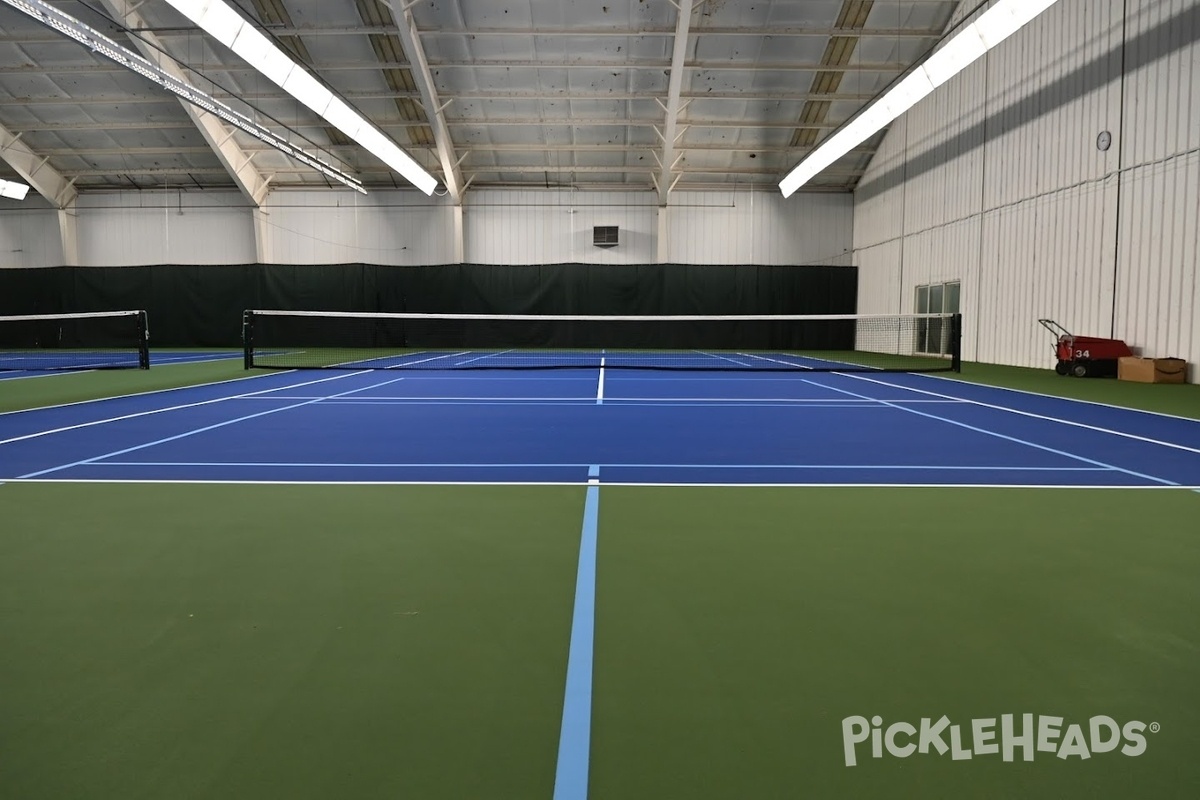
x=605, y=235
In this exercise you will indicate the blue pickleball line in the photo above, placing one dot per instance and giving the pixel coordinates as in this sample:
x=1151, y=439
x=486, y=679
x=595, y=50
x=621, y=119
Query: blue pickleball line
x=575, y=737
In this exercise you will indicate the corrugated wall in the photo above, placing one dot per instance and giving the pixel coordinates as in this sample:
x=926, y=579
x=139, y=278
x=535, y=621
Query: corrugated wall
x=405, y=228
x=747, y=227
x=393, y=228
x=760, y=228
x=504, y=226
x=1158, y=235
x=134, y=228
x=29, y=234
x=996, y=180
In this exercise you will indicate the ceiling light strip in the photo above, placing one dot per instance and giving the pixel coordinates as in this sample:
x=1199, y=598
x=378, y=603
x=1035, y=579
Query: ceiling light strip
x=227, y=26
x=995, y=25
x=102, y=45
x=13, y=190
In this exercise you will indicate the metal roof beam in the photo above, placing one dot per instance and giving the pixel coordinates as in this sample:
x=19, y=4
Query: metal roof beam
x=59, y=190
x=599, y=97
x=658, y=65
x=35, y=170
x=434, y=108
x=611, y=122
x=662, y=32
x=170, y=32
x=882, y=68
x=646, y=147
x=598, y=122
x=649, y=171
x=233, y=157
x=683, y=23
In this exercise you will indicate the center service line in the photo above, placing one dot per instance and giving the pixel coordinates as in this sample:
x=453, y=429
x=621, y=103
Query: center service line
x=600, y=383
x=575, y=738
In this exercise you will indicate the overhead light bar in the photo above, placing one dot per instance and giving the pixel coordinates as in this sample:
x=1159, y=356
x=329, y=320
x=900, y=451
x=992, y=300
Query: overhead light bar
x=227, y=26
x=13, y=190
x=99, y=43
x=993, y=26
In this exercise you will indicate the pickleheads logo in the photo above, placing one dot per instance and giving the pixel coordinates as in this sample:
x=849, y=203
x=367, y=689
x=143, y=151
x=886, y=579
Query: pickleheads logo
x=1028, y=734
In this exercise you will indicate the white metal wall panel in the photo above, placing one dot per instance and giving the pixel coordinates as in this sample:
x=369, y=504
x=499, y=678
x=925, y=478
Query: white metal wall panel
x=997, y=177
x=944, y=140
x=747, y=227
x=136, y=228
x=499, y=227
x=881, y=294
x=552, y=227
x=760, y=228
x=1158, y=244
x=392, y=228
x=1157, y=267
x=879, y=210
x=29, y=236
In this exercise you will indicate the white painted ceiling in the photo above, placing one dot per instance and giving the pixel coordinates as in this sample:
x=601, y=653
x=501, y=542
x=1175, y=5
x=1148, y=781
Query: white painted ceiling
x=534, y=93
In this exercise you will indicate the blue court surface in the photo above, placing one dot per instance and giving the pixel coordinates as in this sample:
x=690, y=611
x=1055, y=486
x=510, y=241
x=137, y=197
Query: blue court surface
x=622, y=426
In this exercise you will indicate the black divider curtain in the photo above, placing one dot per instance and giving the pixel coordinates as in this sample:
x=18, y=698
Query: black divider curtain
x=201, y=306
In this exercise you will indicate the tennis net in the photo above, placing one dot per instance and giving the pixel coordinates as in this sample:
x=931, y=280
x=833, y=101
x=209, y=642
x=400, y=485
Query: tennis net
x=97, y=340
x=344, y=340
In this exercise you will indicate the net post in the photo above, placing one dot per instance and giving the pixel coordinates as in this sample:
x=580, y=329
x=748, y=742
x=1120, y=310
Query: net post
x=956, y=343
x=247, y=339
x=143, y=337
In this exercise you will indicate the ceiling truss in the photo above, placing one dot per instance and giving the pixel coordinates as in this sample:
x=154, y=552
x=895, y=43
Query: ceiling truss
x=653, y=96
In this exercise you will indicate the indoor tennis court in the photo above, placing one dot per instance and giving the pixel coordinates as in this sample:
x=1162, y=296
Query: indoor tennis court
x=617, y=400
x=616, y=577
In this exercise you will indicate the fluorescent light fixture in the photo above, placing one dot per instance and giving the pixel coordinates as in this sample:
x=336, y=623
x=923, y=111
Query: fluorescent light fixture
x=344, y=118
x=97, y=42
x=952, y=59
x=992, y=27
x=14, y=190
x=220, y=21
x=308, y=90
x=216, y=18
x=255, y=48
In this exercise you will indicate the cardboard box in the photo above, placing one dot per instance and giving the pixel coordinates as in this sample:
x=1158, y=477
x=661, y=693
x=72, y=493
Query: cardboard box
x=1152, y=370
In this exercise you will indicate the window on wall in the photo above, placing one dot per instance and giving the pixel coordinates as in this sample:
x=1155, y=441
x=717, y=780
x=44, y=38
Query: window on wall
x=933, y=335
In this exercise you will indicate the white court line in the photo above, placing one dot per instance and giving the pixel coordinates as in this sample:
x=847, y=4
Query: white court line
x=618, y=484
x=175, y=359
x=399, y=364
x=49, y=373
x=149, y=392
x=965, y=382
x=600, y=382
x=148, y=412
x=778, y=361
x=1014, y=439
x=612, y=401
x=1058, y=420
x=435, y=465
x=480, y=358
x=403, y=364
x=723, y=358
x=501, y=398
x=205, y=429
x=349, y=364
